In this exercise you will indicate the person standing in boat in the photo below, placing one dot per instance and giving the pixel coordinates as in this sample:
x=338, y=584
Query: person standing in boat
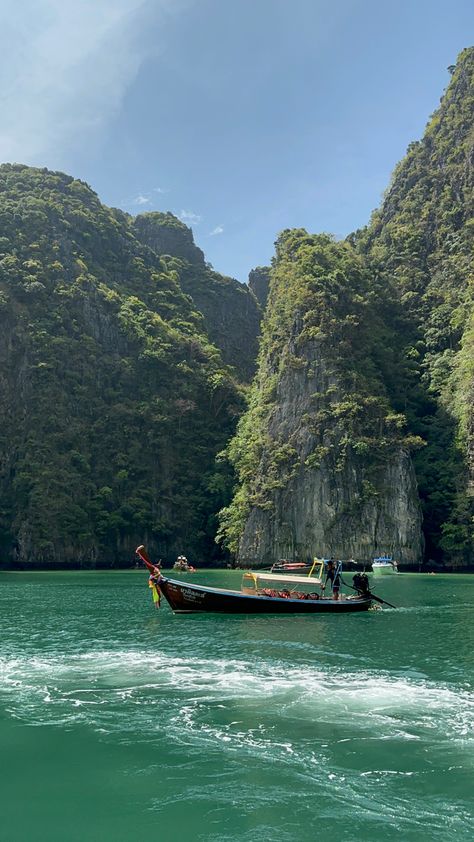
x=333, y=574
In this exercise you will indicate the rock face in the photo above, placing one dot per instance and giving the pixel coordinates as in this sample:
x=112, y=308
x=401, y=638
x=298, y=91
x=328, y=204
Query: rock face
x=322, y=457
x=330, y=509
x=259, y=283
x=164, y=233
x=230, y=309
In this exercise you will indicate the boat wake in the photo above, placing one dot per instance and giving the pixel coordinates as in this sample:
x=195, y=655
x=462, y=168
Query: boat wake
x=305, y=725
x=34, y=686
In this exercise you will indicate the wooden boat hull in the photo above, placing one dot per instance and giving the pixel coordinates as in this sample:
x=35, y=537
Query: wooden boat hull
x=185, y=598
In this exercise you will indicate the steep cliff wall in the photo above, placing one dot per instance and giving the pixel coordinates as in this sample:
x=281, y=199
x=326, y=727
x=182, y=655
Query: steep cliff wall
x=113, y=401
x=351, y=507
x=421, y=242
x=322, y=458
x=259, y=283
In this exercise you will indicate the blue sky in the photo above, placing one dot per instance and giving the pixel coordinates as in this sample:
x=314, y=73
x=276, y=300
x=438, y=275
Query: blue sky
x=243, y=117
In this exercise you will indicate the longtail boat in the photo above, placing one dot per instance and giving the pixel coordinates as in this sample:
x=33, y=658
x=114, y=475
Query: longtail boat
x=289, y=595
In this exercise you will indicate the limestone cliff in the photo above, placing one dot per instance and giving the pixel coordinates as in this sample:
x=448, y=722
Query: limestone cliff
x=323, y=460
x=113, y=401
x=417, y=253
x=355, y=509
x=164, y=233
x=421, y=242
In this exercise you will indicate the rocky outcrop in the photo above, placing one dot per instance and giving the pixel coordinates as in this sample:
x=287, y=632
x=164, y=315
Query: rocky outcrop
x=231, y=314
x=230, y=309
x=259, y=283
x=322, y=457
x=355, y=509
x=164, y=233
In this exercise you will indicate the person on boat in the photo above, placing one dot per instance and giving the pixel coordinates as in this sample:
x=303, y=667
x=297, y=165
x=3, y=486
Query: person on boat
x=333, y=574
x=183, y=564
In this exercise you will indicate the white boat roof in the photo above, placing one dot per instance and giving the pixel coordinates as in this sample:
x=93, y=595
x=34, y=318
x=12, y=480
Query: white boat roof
x=277, y=577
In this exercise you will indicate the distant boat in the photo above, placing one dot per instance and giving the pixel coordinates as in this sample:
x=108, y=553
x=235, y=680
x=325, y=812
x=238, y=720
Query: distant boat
x=297, y=567
x=384, y=565
x=183, y=565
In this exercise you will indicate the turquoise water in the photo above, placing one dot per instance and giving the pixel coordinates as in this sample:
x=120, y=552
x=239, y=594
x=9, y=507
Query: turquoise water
x=119, y=722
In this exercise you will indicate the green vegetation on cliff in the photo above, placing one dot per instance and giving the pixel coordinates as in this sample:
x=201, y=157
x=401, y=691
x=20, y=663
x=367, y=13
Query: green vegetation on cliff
x=114, y=402
x=323, y=330
x=392, y=312
x=421, y=242
x=231, y=311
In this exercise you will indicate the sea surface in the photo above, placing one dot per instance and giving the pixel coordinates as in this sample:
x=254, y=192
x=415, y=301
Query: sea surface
x=119, y=722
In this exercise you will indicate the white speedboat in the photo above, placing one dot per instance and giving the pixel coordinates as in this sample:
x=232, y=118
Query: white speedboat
x=384, y=565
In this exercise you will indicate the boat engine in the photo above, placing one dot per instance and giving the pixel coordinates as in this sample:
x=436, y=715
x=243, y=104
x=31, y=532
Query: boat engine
x=361, y=583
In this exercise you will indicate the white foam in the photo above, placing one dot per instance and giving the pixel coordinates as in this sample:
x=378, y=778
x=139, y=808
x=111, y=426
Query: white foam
x=408, y=707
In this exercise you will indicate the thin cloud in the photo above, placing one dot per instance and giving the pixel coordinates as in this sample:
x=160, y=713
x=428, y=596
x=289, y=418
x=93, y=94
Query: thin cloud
x=141, y=200
x=160, y=190
x=190, y=217
x=64, y=70
x=219, y=229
